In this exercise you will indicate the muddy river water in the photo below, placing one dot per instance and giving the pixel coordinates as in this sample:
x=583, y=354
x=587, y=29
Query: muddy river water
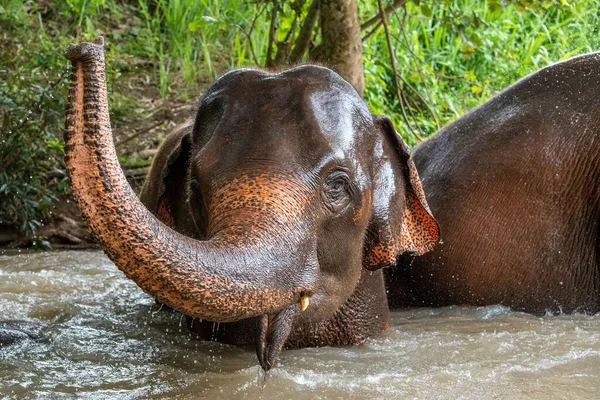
x=108, y=340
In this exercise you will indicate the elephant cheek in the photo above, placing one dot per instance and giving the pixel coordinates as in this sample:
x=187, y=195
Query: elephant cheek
x=250, y=205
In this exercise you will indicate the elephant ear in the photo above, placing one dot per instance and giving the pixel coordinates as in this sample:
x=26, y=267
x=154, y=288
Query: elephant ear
x=162, y=190
x=401, y=220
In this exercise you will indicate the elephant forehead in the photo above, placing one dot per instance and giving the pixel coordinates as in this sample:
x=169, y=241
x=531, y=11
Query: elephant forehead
x=303, y=95
x=325, y=115
x=340, y=118
x=247, y=80
x=298, y=119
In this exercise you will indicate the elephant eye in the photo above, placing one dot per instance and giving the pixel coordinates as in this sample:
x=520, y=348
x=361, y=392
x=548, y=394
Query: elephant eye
x=338, y=185
x=337, y=191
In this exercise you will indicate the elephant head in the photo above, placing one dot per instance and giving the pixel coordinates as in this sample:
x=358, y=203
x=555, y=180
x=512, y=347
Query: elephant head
x=275, y=205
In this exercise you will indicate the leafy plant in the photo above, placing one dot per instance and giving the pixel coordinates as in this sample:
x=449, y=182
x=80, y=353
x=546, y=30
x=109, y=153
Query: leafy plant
x=32, y=100
x=455, y=54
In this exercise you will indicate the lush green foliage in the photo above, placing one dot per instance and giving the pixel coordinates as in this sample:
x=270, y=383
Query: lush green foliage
x=451, y=56
x=32, y=101
x=458, y=53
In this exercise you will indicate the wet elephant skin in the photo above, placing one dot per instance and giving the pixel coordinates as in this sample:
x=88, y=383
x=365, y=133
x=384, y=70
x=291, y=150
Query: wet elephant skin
x=290, y=157
x=515, y=186
x=268, y=219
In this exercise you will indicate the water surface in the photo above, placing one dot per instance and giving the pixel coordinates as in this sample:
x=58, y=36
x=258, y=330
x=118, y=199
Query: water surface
x=107, y=339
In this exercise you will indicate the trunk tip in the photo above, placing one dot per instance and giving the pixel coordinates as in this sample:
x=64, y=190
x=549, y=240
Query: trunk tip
x=76, y=52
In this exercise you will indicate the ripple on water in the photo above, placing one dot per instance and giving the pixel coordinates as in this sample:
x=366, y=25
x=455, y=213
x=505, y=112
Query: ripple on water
x=110, y=340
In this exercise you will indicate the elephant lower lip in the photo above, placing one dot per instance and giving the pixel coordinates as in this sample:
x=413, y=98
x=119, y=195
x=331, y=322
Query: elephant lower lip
x=271, y=334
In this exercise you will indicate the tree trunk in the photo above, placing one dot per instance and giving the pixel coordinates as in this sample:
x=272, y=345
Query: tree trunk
x=341, y=46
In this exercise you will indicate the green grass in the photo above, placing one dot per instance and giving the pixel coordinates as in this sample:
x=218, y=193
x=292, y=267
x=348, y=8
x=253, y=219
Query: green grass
x=457, y=54
x=193, y=40
x=452, y=55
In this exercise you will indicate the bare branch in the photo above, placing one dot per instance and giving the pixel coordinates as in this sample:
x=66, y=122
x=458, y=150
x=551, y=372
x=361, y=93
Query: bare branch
x=303, y=40
x=417, y=59
x=403, y=104
x=139, y=131
x=272, y=33
x=429, y=107
x=373, y=31
x=292, y=30
x=249, y=33
x=407, y=99
x=377, y=18
x=249, y=38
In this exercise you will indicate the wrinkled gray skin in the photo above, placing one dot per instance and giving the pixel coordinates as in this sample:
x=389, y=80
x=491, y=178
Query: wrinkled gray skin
x=295, y=161
x=286, y=189
x=515, y=186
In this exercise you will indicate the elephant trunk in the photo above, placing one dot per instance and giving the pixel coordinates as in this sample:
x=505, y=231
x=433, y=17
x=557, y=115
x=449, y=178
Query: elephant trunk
x=210, y=279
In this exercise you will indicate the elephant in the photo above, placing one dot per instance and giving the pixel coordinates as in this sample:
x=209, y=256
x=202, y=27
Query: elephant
x=515, y=187
x=267, y=221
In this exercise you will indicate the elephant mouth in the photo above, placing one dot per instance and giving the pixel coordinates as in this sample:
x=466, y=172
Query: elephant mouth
x=268, y=332
x=271, y=333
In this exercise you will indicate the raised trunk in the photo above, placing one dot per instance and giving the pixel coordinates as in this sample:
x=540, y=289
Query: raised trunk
x=211, y=280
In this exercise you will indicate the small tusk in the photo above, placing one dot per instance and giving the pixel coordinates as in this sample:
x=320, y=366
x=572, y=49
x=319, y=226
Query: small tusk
x=304, y=300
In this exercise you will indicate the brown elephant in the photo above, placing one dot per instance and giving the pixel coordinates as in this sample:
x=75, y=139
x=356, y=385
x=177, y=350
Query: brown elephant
x=273, y=213
x=515, y=186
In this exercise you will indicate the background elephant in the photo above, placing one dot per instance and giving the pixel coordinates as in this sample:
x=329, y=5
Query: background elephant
x=515, y=186
x=286, y=194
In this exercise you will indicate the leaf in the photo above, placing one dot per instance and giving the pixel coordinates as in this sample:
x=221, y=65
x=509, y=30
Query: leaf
x=194, y=25
x=200, y=22
x=494, y=5
x=44, y=204
x=63, y=185
x=414, y=77
x=470, y=76
x=476, y=40
x=296, y=6
x=425, y=10
x=467, y=48
x=476, y=89
x=54, y=145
